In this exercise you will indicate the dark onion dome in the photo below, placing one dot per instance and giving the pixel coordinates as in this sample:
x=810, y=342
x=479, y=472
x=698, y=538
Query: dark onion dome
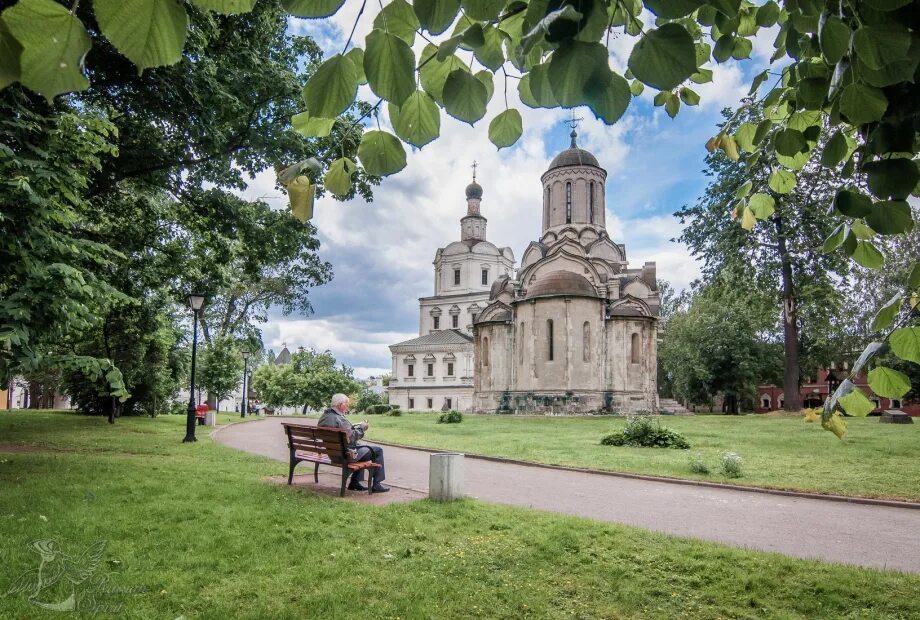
x=561, y=283
x=574, y=156
x=474, y=190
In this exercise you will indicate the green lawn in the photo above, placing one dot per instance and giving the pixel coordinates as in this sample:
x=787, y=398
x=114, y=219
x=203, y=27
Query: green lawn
x=193, y=530
x=873, y=460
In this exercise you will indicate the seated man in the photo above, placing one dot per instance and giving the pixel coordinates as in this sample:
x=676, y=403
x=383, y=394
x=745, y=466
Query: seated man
x=335, y=417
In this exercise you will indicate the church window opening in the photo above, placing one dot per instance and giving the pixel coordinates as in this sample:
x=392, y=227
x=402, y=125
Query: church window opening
x=449, y=403
x=485, y=351
x=634, y=353
x=568, y=203
x=429, y=404
x=765, y=403
x=895, y=403
x=411, y=403
x=437, y=322
x=485, y=277
x=586, y=345
x=410, y=370
x=455, y=321
x=549, y=339
x=450, y=369
x=591, y=203
x=430, y=370
x=521, y=343
x=456, y=276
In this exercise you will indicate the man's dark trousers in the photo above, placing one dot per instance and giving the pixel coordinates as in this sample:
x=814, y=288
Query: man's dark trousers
x=375, y=455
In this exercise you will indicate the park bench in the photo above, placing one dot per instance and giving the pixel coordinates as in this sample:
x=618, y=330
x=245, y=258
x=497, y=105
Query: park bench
x=322, y=445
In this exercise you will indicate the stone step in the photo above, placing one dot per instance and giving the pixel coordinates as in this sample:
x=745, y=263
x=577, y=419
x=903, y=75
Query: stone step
x=672, y=406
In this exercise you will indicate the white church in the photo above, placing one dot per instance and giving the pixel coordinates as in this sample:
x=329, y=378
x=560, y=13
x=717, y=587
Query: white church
x=574, y=330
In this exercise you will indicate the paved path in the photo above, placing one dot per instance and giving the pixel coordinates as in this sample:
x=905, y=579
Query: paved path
x=873, y=536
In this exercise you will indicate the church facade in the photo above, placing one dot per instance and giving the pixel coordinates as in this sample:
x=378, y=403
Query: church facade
x=575, y=329
x=435, y=370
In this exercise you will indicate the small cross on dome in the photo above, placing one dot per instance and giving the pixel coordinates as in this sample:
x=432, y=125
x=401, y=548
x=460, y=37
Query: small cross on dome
x=474, y=170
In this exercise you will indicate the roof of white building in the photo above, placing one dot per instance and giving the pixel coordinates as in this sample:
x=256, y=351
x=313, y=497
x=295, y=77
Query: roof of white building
x=444, y=336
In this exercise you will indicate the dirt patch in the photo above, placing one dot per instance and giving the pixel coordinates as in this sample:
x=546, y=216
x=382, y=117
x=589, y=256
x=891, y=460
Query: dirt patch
x=329, y=486
x=16, y=448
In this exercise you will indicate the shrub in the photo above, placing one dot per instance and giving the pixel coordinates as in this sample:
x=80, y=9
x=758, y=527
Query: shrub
x=731, y=465
x=643, y=432
x=395, y=412
x=450, y=417
x=698, y=465
x=377, y=409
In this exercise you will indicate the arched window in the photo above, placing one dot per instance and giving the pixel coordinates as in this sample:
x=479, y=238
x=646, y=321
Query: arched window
x=765, y=402
x=521, y=343
x=895, y=403
x=549, y=340
x=591, y=203
x=634, y=349
x=546, y=208
x=568, y=203
x=485, y=351
x=586, y=344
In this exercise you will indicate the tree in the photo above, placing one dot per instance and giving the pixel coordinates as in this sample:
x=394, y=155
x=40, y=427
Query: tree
x=221, y=368
x=365, y=399
x=782, y=255
x=309, y=381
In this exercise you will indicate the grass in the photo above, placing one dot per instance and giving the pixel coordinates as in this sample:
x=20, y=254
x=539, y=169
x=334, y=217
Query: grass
x=782, y=452
x=193, y=531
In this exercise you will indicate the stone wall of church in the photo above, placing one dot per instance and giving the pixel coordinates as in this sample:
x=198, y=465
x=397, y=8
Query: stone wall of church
x=492, y=357
x=632, y=372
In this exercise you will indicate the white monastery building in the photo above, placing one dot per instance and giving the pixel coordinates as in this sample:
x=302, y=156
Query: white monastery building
x=574, y=330
x=435, y=370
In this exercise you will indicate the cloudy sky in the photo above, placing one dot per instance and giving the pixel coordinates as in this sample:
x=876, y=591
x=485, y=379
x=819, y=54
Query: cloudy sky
x=382, y=251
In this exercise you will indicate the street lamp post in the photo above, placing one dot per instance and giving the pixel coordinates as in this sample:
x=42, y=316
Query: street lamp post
x=195, y=302
x=245, y=406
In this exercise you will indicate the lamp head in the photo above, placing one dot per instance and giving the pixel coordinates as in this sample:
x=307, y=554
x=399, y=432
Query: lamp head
x=195, y=302
x=245, y=353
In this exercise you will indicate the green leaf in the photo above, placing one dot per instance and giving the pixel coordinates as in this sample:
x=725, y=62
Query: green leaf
x=301, y=194
x=834, y=38
x=748, y=220
x=742, y=48
x=702, y=76
x=768, y=14
x=852, y=203
x=565, y=19
x=729, y=8
x=225, y=6
x=609, y=96
x=762, y=205
x=867, y=255
x=861, y=230
x=836, y=238
x=636, y=88
x=745, y=137
x=381, y=153
x=888, y=383
x=332, y=88
x=881, y=44
x=744, y=189
x=356, y=55
x=536, y=83
x=863, y=104
x=781, y=181
x=689, y=96
x=890, y=217
x=433, y=73
x=672, y=9
x=759, y=79
x=506, y=128
x=789, y=142
x=892, y=178
x=448, y=47
x=490, y=53
x=856, y=404
x=914, y=280
x=887, y=313
x=53, y=42
x=672, y=105
x=10, y=52
x=436, y=16
x=417, y=120
x=887, y=5
x=398, y=19
x=572, y=69
x=486, y=78
x=725, y=45
x=338, y=178
x=905, y=343
x=763, y=128
x=835, y=150
x=465, y=96
x=665, y=57
x=312, y=8
x=482, y=10
x=311, y=127
x=389, y=65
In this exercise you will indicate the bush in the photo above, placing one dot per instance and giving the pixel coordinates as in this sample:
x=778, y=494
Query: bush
x=731, y=465
x=643, y=432
x=698, y=465
x=395, y=412
x=377, y=409
x=450, y=417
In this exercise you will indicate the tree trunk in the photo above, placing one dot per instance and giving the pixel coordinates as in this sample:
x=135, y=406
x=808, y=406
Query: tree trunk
x=791, y=397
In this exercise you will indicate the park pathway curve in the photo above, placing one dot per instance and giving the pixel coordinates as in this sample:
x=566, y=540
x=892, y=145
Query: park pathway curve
x=864, y=535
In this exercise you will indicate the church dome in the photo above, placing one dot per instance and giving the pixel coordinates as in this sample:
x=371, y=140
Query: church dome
x=574, y=156
x=473, y=190
x=561, y=283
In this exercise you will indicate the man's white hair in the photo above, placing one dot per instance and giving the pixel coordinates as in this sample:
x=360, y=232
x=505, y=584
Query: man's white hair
x=338, y=399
